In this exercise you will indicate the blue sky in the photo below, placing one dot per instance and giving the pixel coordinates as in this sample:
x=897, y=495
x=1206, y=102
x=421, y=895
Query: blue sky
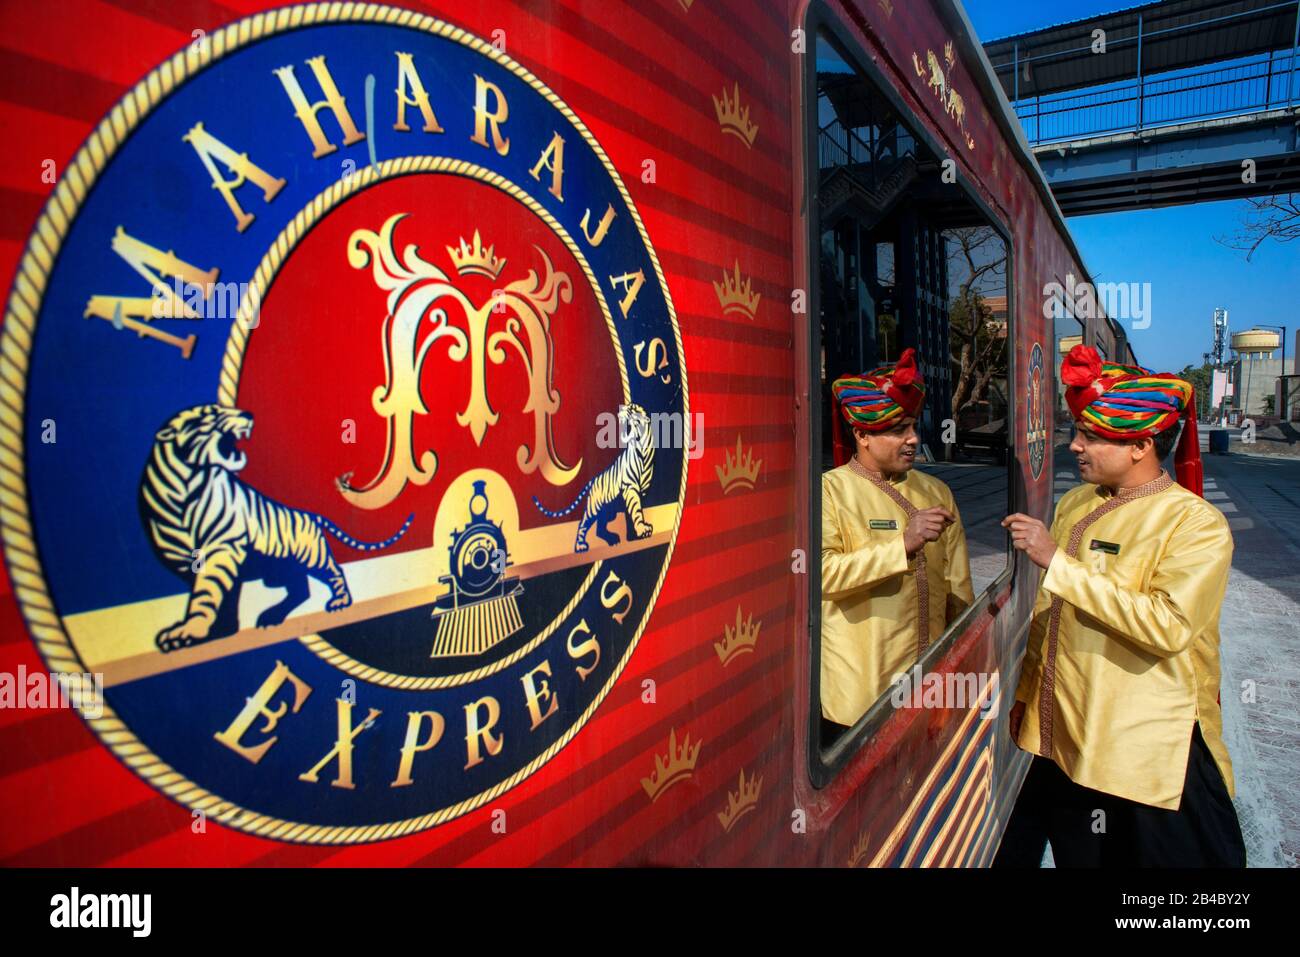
x=1174, y=249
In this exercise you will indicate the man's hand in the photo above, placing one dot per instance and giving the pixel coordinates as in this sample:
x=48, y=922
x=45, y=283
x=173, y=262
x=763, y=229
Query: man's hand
x=1031, y=536
x=1017, y=715
x=925, y=526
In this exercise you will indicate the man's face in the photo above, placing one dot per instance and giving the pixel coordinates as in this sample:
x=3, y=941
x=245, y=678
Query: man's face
x=893, y=450
x=1104, y=461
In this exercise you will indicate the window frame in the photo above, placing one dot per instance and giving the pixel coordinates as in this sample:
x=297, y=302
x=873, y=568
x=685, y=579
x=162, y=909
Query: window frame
x=1066, y=312
x=825, y=766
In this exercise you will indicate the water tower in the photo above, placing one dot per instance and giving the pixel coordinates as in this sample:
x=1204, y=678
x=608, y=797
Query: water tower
x=1254, y=347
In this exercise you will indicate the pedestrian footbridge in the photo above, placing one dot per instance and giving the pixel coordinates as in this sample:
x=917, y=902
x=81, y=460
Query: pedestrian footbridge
x=1161, y=104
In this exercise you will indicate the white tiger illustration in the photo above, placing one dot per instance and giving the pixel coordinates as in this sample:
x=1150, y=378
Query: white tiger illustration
x=619, y=487
x=217, y=532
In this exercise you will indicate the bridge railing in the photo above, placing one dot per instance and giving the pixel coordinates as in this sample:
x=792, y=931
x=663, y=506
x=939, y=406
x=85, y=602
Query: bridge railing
x=1250, y=85
x=877, y=153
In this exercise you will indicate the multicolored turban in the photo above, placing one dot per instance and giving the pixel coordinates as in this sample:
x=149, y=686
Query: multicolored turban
x=1129, y=402
x=876, y=400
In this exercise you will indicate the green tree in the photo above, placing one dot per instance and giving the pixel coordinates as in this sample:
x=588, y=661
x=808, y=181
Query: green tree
x=1201, y=378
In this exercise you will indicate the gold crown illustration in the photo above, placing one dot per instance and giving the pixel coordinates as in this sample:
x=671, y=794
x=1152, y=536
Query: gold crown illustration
x=887, y=6
x=738, y=640
x=678, y=766
x=859, y=850
x=476, y=260
x=733, y=118
x=735, y=295
x=741, y=802
x=948, y=56
x=740, y=471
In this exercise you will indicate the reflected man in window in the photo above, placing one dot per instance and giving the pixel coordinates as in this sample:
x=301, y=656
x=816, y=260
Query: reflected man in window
x=894, y=567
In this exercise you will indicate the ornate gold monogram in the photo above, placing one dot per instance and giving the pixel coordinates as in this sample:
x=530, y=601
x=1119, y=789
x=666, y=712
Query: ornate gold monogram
x=418, y=290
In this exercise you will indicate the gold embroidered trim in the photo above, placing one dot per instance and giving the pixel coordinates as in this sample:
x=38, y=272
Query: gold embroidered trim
x=1047, y=694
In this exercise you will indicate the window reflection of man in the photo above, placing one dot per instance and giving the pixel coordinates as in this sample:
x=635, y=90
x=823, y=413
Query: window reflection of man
x=895, y=571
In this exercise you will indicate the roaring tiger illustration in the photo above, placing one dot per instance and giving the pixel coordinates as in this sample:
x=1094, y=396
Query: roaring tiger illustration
x=217, y=532
x=619, y=487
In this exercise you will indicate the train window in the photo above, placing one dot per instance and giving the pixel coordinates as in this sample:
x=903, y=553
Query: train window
x=912, y=305
x=1068, y=332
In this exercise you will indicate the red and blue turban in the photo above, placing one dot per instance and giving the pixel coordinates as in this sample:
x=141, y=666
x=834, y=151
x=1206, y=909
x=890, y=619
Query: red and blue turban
x=1129, y=402
x=877, y=400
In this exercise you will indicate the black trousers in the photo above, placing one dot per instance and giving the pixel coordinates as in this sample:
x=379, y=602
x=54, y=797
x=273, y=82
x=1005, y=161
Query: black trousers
x=1087, y=828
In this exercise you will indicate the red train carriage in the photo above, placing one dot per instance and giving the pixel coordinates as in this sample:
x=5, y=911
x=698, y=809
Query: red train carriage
x=412, y=422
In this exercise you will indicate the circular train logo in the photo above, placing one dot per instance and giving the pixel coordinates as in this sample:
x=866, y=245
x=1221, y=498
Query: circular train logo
x=1036, y=419
x=356, y=314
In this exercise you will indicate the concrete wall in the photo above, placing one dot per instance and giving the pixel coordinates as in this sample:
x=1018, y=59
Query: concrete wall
x=1253, y=378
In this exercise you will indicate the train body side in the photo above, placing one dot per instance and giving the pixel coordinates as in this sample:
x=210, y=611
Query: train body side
x=933, y=786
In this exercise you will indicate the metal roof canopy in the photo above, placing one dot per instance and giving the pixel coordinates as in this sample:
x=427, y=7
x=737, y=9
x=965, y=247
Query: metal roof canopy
x=1167, y=35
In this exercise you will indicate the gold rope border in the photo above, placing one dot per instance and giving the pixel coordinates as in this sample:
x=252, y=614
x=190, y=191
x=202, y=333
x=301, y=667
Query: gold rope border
x=16, y=338
x=242, y=329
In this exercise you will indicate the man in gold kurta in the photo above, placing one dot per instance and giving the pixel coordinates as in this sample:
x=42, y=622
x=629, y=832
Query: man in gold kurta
x=1118, y=695
x=894, y=564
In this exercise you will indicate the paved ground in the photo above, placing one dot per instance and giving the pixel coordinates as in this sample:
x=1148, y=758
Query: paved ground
x=1260, y=628
x=1260, y=651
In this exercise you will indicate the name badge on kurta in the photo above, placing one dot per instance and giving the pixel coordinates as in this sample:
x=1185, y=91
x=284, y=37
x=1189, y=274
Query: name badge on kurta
x=884, y=524
x=1110, y=548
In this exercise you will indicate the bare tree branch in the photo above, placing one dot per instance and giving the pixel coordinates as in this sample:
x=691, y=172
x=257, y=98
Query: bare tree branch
x=978, y=343
x=1266, y=217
